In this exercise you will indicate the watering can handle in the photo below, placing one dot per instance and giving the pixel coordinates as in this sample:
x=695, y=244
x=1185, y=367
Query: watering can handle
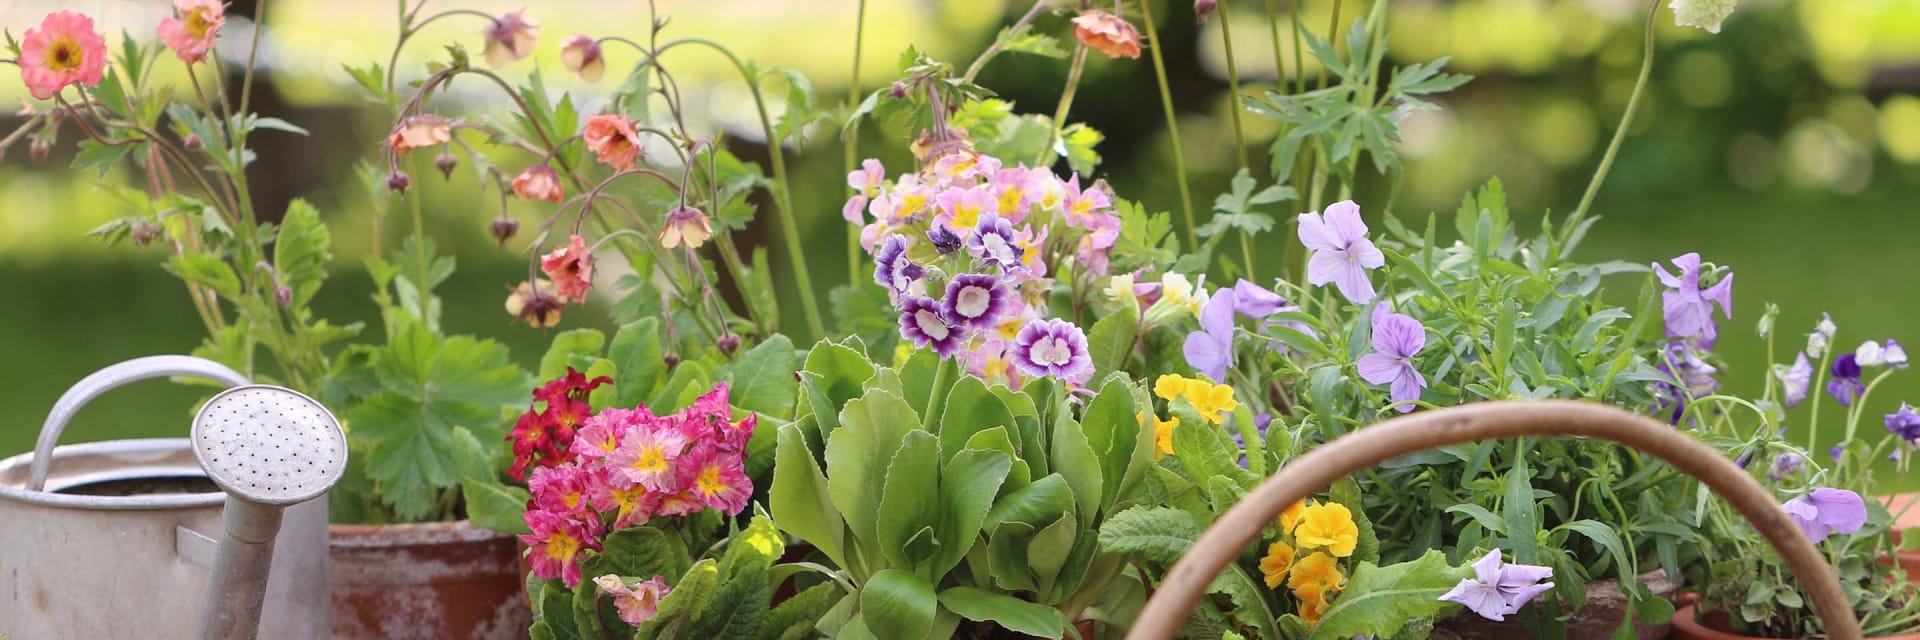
x=107, y=379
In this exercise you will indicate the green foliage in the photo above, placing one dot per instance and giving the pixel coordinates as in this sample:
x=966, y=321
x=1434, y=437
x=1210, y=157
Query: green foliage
x=1379, y=600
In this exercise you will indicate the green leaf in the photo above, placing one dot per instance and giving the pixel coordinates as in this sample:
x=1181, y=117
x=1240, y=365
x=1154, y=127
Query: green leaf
x=207, y=270
x=637, y=361
x=300, y=251
x=761, y=380
x=795, y=618
x=568, y=345
x=1111, y=340
x=1481, y=515
x=799, y=498
x=1078, y=140
x=1157, y=535
x=101, y=157
x=967, y=487
x=1036, y=506
x=1517, y=507
x=675, y=613
x=639, y=552
x=872, y=429
x=910, y=501
x=490, y=502
x=740, y=603
x=1050, y=550
x=757, y=287
x=1025, y=40
x=1020, y=474
x=1112, y=426
x=1201, y=450
x=833, y=375
x=1012, y=613
x=897, y=604
x=1380, y=600
x=971, y=408
x=1072, y=458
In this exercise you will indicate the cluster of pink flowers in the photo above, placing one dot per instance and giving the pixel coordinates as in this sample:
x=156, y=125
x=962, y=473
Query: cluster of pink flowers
x=628, y=466
x=998, y=232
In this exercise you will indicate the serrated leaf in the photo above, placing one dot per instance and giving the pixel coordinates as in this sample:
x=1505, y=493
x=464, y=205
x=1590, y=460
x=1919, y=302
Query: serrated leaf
x=301, y=251
x=761, y=380
x=872, y=428
x=897, y=604
x=1380, y=600
x=799, y=498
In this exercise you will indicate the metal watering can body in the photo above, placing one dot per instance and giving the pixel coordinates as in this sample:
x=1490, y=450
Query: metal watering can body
x=117, y=539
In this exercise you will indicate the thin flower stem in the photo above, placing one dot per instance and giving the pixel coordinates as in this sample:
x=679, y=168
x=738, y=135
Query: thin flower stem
x=994, y=49
x=1299, y=48
x=1333, y=29
x=1860, y=404
x=937, y=396
x=1279, y=57
x=1813, y=393
x=1233, y=86
x=253, y=54
x=852, y=136
x=1066, y=104
x=1619, y=133
x=1173, y=124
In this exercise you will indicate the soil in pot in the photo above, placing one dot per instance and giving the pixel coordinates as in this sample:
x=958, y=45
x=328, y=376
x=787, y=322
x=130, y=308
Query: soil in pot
x=426, y=581
x=1606, y=607
x=1714, y=626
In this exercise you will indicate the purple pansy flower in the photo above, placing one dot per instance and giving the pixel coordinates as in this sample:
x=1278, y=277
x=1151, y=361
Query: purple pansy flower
x=1396, y=338
x=1254, y=301
x=1797, y=380
x=1691, y=378
x=1904, y=423
x=922, y=322
x=1210, y=350
x=1827, y=511
x=1342, y=254
x=1497, y=589
x=994, y=243
x=1895, y=355
x=1687, y=309
x=1052, y=347
x=1845, y=385
x=1784, y=466
x=892, y=269
x=975, y=301
x=944, y=240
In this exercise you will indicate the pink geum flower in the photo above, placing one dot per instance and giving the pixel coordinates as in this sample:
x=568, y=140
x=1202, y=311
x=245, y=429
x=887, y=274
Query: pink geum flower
x=866, y=186
x=571, y=268
x=1342, y=254
x=1109, y=33
x=637, y=602
x=533, y=302
x=424, y=130
x=556, y=542
x=717, y=477
x=510, y=38
x=192, y=28
x=64, y=51
x=646, y=457
x=612, y=139
x=582, y=55
x=685, y=225
x=539, y=182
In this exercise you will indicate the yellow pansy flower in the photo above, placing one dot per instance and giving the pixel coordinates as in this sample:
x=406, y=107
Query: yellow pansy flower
x=1291, y=517
x=1279, y=559
x=1328, y=525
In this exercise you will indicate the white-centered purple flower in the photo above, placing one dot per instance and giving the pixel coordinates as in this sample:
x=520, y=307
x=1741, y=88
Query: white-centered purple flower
x=1797, y=380
x=1687, y=309
x=1904, y=423
x=892, y=269
x=1210, y=350
x=1254, y=301
x=1342, y=254
x=1826, y=511
x=1845, y=387
x=1396, y=338
x=922, y=323
x=1052, y=347
x=1498, y=589
x=994, y=243
x=975, y=301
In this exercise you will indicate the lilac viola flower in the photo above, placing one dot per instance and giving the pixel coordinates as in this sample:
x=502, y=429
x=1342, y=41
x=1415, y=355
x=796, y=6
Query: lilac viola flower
x=1396, y=338
x=1254, y=301
x=1894, y=354
x=1687, y=309
x=1797, y=380
x=1497, y=589
x=1826, y=511
x=1342, y=254
x=1904, y=423
x=975, y=301
x=1210, y=350
x=922, y=323
x=1785, y=466
x=1052, y=347
x=1691, y=376
x=994, y=243
x=892, y=269
x=1845, y=386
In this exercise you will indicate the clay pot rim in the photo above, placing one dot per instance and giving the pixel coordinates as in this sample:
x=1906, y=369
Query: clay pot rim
x=1684, y=622
x=369, y=536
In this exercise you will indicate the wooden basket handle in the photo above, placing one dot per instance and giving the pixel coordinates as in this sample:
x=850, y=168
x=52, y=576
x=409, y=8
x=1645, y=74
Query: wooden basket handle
x=1377, y=443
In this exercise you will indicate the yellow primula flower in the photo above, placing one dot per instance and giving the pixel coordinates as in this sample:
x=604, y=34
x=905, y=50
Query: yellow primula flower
x=1327, y=525
x=1169, y=386
x=1213, y=401
x=1291, y=517
x=1162, y=434
x=1279, y=559
x=1313, y=608
x=1315, y=577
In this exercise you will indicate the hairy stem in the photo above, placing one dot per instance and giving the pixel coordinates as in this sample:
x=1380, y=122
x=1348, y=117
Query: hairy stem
x=1619, y=133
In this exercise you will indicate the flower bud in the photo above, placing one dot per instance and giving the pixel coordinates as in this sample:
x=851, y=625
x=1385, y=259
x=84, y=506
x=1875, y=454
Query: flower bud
x=729, y=343
x=503, y=229
x=193, y=142
x=943, y=239
x=40, y=148
x=283, y=295
x=898, y=91
x=446, y=162
x=144, y=232
x=1203, y=9
x=671, y=360
x=398, y=181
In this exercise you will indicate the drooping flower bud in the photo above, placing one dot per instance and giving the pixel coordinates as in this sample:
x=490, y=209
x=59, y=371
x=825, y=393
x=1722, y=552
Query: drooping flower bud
x=446, y=163
x=193, y=142
x=144, y=232
x=670, y=360
x=503, y=229
x=728, y=343
x=511, y=37
x=685, y=225
x=898, y=91
x=283, y=295
x=1203, y=9
x=39, y=149
x=582, y=55
x=1109, y=33
x=398, y=181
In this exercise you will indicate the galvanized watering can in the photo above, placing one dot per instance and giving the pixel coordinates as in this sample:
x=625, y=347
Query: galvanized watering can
x=173, y=537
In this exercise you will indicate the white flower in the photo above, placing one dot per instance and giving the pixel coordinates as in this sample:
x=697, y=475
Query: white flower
x=1895, y=355
x=1120, y=290
x=1705, y=14
x=1821, y=336
x=1870, y=354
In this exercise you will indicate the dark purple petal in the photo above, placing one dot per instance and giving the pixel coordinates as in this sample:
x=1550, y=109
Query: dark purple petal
x=922, y=323
x=1904, y=423
x=1052, y=347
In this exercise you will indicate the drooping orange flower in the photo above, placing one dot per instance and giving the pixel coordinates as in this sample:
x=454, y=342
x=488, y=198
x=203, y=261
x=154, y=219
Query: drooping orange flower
x=612, y=138
x=539, y=182
x=571, y=268
x=1109, y=33
x=685, y=225
x=424, y=130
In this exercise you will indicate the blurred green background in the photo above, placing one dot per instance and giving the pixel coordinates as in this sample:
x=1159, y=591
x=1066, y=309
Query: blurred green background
x=1787, y=146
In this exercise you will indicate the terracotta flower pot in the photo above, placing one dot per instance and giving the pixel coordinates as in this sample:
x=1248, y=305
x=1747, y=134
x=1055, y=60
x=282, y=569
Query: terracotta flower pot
x=1906, y=510
x=1714, y=626
x=435, y=580
x=1606, y=607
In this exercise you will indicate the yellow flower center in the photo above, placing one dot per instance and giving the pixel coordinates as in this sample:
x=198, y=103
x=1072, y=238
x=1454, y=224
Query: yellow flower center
x=966, y=216
x=651, y=460
x=910, y=205
x=572, y=499
x=64, y=54
x=562, y=547
x=199, y=21
x=1010, y=200
x=709, y=481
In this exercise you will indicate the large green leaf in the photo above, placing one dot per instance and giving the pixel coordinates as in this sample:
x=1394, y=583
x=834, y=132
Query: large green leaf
x=971, y=408
x=910, y=501
x=1112, y=426
x=761, y=380
x=1203, y=449
x=490, y=503
x=832, y=376
x=800, y=500
x=898, y=604
x=1517, y=508
x=300, y=251
x=746, y=589
x=967, y=488
x=1038, y=505
x=1111, y=340
x=794, y=618
x=675, y=615
x=872, y=428
x=568, y=345
x=1074, y=460
x=1019, y=475
x=1379, y=600
x=637, y=361
x=1014, y=614
x=641, y=552
x=1157, y=535
x=1051, y=548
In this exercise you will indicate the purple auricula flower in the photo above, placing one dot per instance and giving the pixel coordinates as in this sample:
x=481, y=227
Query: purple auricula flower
x=1498, y=589
x=1826, y=511
x=1904, y=423
x=1396, y=338
x=1797, y=380
x=1052, y=347
x=1687, y=309
x=1845, y=387
x=1342, y=254
x=922, y=323
x=993, y=242
x=1254, y=301
x=1210, y=350
x=1785, y=465
x=892, y=269
x=975, y=301
x=944, y=240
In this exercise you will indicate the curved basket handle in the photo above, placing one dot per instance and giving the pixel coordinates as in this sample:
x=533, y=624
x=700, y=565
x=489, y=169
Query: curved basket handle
x=1377, y=443
x=106, y=380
